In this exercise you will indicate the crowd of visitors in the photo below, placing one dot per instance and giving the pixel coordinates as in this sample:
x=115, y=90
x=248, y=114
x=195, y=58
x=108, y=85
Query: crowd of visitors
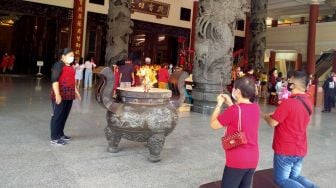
x=274, y=87
x=125, y=74
x=240, y=119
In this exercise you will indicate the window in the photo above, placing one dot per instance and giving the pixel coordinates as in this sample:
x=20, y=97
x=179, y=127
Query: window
x=185, y=14
x=240, y=25
x=99, y=2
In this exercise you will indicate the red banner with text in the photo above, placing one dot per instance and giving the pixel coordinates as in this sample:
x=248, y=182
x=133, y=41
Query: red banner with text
x=77, y=27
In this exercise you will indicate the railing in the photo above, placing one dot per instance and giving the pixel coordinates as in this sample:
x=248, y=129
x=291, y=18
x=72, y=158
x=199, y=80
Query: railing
x=324, y=63
x=300, y=23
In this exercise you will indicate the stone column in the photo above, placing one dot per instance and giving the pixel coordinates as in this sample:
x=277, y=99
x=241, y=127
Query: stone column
x=213, y=52
x=271, y=63
x=313, y=15
x=119, y=28
x=247, y=38
x=78, y=27
x=298, y=64
x=334, y=62
x=258, y=33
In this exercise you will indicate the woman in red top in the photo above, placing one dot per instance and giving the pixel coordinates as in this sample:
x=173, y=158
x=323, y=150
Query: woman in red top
x=241, y=161
x=163, y=77
x=63, y=92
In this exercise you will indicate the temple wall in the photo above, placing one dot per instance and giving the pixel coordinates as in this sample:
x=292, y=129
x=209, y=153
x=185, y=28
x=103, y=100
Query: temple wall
x=295, y=38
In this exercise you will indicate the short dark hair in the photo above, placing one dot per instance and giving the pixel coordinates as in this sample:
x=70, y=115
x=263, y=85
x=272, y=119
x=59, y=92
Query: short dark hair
x=280, y=74
x=247, y=87
x=65, y=51
x=301, y=77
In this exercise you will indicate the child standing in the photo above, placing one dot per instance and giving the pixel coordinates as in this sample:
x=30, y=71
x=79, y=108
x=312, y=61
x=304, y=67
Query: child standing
x=79, y=67
x=89, y=64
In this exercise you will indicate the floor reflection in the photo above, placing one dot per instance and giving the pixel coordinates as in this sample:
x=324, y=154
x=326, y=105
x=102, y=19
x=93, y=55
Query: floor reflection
x=83, y=106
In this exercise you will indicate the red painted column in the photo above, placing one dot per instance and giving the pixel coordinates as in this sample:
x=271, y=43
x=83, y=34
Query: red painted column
x=298, y=64
x=334, y=62
x=193, y=31
x=247, y=38
x=271, y=63
x=313, y=15
x=78, y=27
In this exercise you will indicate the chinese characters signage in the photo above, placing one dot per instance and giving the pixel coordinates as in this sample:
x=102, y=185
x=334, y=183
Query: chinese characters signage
x=77, y=27
x=151, y=7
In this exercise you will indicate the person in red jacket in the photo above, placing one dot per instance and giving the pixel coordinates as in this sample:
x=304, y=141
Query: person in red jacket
x=290, y=121
x=116, y=73
x=163, y=76
x=4, y=62
x=241, y=161
x=63, y=92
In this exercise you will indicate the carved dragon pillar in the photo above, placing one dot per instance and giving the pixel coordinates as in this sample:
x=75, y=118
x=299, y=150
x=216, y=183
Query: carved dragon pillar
x=119, y=27
x=213, y=49
x=258, y=33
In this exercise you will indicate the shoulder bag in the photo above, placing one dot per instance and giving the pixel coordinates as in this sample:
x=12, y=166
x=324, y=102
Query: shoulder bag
x=236, y=139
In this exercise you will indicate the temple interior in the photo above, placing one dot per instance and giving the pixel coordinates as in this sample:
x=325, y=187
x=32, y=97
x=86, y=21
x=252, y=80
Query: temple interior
x=145, y=83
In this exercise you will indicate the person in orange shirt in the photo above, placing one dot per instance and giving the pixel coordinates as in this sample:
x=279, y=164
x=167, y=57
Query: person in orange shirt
x=163, y=76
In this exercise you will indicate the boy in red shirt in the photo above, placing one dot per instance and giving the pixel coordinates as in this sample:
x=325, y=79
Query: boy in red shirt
x=290, y=120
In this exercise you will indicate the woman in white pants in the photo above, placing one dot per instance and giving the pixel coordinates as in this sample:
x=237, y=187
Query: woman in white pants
x=89, y=64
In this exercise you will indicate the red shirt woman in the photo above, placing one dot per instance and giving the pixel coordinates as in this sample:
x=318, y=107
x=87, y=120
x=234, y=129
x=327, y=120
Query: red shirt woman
x=242, y=160
x=63, y=92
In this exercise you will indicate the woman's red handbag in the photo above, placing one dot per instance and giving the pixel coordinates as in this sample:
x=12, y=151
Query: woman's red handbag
x=236, y=139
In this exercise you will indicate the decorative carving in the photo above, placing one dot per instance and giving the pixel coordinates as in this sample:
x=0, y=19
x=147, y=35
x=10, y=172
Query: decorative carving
x=213, y=49
x=215, y=39
x=105, y=90
x=119, y=28
x=155, y=145
x=258, y=33
x=113, y=138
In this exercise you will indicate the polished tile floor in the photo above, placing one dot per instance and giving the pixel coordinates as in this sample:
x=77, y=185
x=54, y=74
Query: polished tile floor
x=192, y=154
